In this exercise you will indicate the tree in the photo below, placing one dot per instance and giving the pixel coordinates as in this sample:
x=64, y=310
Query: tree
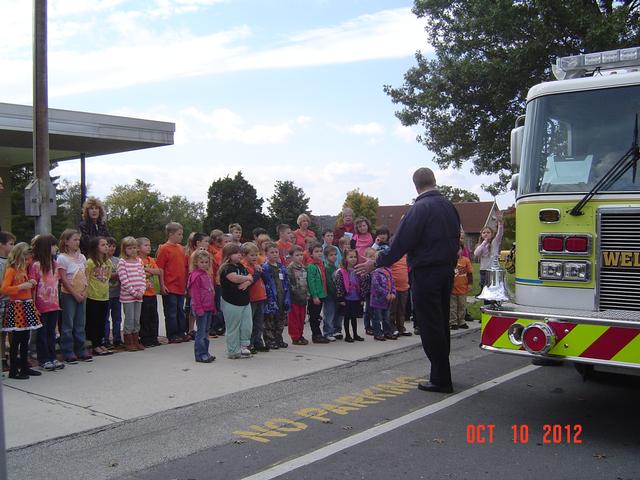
x=457, y=195
x=287, y=202
x=488, y=53
x=233, y=200
x=139, y=210
x=70, y=206
x=362, y=206
x=136, y=210
x=22, y=227
x=189, y=214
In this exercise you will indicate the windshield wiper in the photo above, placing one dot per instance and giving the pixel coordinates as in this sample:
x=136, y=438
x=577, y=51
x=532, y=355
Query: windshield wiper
x=628, y=160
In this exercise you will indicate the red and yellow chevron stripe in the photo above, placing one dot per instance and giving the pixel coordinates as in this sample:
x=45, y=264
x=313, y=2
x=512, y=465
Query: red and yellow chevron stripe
x=602, y=343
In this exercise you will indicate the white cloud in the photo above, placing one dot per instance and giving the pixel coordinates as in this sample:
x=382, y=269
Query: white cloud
x=115, y=47
x=373, y=129
x=407, y=134
x=303, y=120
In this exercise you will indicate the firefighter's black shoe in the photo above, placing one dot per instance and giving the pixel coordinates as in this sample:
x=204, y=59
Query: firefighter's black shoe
x=432, y=387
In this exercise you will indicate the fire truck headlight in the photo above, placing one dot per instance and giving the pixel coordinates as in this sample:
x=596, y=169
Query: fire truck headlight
x=550, y=270
x=577, y=271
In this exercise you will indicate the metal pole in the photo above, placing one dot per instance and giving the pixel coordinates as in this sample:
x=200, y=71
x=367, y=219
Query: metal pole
x=3, y=454
x=41, y=114
x=83, y=179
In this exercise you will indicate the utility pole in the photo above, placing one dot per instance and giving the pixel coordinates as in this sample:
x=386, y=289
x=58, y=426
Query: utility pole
x=43, y=188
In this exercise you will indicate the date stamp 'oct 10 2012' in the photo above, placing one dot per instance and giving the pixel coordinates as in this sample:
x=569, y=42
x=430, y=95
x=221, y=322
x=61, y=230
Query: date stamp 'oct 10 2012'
x=552, y=434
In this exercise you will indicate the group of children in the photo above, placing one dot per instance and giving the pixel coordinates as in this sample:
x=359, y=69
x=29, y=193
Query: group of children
x=218, y=285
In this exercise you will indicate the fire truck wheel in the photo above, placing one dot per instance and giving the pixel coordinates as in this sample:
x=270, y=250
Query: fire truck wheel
x=585, y=371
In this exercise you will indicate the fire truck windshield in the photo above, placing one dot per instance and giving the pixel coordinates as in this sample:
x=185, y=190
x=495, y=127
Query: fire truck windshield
x=572, y=139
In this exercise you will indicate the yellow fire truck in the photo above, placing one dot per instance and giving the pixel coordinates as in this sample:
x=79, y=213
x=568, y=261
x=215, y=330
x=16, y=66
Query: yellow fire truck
x=577, y=285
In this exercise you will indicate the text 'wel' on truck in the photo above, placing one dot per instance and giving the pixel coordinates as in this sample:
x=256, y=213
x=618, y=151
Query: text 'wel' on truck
x=577, y=273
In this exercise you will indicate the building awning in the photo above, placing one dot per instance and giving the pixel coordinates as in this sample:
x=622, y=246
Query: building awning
x=72, y=134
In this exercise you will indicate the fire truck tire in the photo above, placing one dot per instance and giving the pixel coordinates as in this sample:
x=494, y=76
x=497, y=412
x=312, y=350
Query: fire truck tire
x=585, y=371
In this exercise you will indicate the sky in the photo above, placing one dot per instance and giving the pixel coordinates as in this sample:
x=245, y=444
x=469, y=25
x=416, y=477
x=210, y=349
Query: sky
x=276, y=89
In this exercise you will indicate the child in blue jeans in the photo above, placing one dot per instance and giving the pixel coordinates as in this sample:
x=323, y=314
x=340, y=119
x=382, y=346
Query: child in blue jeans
x=203, y=306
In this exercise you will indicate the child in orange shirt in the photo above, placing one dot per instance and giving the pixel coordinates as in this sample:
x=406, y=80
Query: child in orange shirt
x=149, y=320
x=284, y=243
x=400, y=272
x=257, y=296
x=215, y=249
x=20, y=316
x=173, y=262
x=462, y=282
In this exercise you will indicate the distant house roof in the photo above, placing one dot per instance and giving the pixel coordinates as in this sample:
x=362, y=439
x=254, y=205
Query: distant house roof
x=473, y=215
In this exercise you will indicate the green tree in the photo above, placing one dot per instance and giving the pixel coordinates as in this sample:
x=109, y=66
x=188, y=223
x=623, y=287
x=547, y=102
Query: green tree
x=457, y=195
x=509, y=227
x=233, y=200
x=189, y=214
x=70, y=206
x=287, y=202
x=488, y=53
x=137, y=210
x=22, y=227
x=362, y=206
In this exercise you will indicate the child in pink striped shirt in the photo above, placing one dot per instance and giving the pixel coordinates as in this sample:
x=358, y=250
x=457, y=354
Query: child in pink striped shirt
x=133, y=283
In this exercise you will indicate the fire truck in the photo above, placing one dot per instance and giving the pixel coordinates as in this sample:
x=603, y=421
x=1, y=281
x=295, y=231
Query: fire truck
x=577, y=272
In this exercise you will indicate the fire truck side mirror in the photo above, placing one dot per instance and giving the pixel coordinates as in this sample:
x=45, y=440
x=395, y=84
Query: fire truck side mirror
x=517, y=134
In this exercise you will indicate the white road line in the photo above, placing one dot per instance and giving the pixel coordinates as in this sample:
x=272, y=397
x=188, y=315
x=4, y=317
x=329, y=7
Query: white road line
x=361, y=437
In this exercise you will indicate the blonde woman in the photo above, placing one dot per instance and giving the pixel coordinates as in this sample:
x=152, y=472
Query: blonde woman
x=303, y=232
x=93, y=223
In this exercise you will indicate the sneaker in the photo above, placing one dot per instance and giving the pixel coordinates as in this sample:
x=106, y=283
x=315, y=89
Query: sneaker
x=320, y=340
x=453, y=327
x=253, y=350
x=49, y=366
x=331, y=338
x=85, y=358
x=368, y=331
x=348, y=339
x=283, y=344
x=208, y=359
x=186, y=338
x=234, y=356
x=262, y=348
x=297, y=341
x=58, y=364
x=416, y=331
x=71, y=360
x=391, y=337
x=19, y=376
x=406, y=334
x=175, y=340
x=338, y=336
x=464, y=326
x=245, y=352
x=304, y=341
x=273, y=346
x=379, y=338
x=358, y=338
x=31, y=372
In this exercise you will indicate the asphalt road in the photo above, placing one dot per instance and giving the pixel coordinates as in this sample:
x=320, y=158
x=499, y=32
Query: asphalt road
x=367, y=420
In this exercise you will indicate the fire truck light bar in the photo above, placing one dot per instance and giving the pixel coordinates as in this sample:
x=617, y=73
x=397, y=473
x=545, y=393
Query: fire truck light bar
x=576, y=66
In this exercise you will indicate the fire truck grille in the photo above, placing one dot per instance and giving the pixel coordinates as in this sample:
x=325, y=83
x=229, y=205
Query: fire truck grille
x=619, y=288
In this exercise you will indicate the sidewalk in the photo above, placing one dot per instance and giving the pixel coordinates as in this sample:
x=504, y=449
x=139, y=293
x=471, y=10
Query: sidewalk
x=127, y=385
